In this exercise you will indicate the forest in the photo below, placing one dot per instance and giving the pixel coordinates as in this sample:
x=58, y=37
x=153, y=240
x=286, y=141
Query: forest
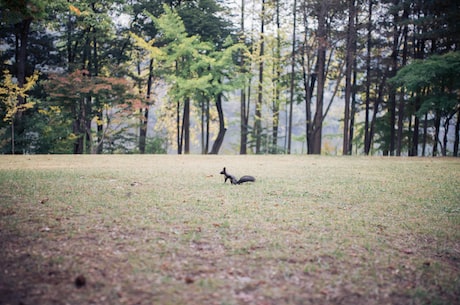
x=158, y=76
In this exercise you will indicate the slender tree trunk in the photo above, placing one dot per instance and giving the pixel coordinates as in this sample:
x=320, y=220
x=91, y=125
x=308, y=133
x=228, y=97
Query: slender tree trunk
x=437, y=126
x=353, y=107
x=348, y=75
x=186, y=126
x=309, y=81
x=243, y=123
x=258, y=111
x=415, y=134
x=145, y=110
x=392, y=94
x=444, y=139
x=321, y=74
x=22, y=37
x=205, y=118
x=377, y=102
x=243, y=107
x=292, y=84
x=425, y=134
x=367, y=138
x=220, y=136
x=401, y=109
x=23, y=29
x=208, y=119
x=277, y=72
x=457, y=134
x=203, y=125
x=100, y=127
x=179, y=129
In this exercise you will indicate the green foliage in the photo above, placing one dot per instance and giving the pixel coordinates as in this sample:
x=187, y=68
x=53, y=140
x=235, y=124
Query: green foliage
x=156, y=145
x=193, y=67
x=17, y=11
x=436, y=80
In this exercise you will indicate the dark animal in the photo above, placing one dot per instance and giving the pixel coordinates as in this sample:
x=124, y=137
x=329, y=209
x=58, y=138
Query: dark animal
x=233, y=179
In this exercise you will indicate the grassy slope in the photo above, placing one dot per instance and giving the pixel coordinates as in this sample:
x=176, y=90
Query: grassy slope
x=166, y=230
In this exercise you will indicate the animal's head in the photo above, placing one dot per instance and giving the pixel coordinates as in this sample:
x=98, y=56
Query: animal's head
x=223, y=172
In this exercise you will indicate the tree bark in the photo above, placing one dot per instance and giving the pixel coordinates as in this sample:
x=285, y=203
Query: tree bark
x=401, y=104
x=186, y=126
x=145, y=110
x=22, y=37
x=367, y=138
x=258, y=111
x=457, y=134
x=350, y=54
x=277, y=72
x=394, y=68
x=291, y=98
x=243, y=107
x=321, y=79
x=179, y=129
x=220, y=136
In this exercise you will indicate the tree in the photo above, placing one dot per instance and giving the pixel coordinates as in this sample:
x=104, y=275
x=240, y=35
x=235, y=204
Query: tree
x=12, y=97
x=259, y=101
x=350, y=60
x=194, y=70
x=292, y=84
x=436, y=82
x=74, y=93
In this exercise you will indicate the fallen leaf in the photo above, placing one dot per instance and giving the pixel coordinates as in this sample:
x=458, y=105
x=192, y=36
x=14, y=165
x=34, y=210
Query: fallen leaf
x=80, y=281
x=408, y=251
x=189, y=280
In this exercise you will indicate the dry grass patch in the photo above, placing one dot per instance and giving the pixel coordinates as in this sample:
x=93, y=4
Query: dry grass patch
x=166, y=230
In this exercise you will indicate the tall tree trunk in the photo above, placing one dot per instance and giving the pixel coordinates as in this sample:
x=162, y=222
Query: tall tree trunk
x=367, y=138
x=425, y=134
x=22, y=37
x=220, y=136
x=309, y=80
x=457, y=134
x=394, y=68
x=437, y=127
x=186, y=125
x=415, y=134
x=446, y=132
x=243, y=106
x=292, y=84
x=258, y=111
x=205, y=118
x=145, y=110
x=100, y=127
x=401, y=114
x=353, y=107
x=378, y=101
x=179, y=129
x=277, y=87
x=321, y=79
x=350, y=59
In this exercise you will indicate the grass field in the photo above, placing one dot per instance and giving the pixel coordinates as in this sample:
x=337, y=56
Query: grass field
x=167, y=230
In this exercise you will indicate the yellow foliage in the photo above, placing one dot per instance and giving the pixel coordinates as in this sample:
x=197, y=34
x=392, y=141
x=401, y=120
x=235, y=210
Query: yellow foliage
x=11, y=92
x=155, y=52
x=74, y=10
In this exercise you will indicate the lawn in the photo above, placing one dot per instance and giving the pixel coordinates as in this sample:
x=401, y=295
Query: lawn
x=154, y=229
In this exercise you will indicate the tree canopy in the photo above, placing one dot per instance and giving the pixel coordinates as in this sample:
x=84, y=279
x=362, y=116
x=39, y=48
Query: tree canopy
x=331, y=77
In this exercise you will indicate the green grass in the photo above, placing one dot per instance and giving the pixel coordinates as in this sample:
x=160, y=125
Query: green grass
x=166, y=230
